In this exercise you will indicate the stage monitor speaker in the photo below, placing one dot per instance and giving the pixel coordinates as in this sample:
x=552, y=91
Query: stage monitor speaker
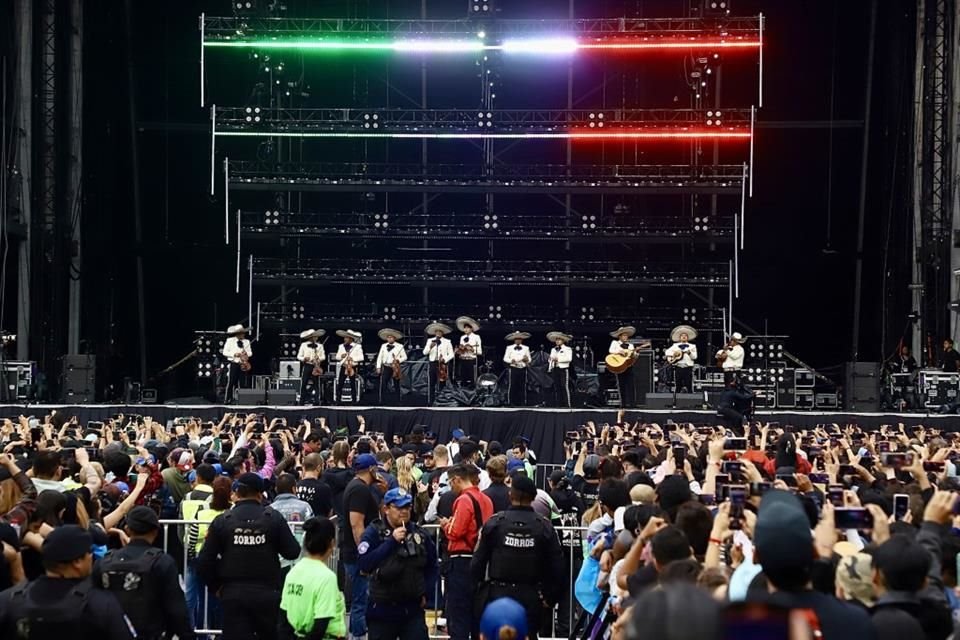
x=281, y=397
x=148, y=396
x=643, y=376
x=78, y=379
x=251, y=397
x=74, y=362
x=862, y=390
x=665, y=401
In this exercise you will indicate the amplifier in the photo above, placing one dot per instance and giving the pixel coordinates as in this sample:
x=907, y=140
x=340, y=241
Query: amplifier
x=251, y=397
x=825, y=401
x=281, y=397
x=292, y=384
x=665, y=401
x=805, y=399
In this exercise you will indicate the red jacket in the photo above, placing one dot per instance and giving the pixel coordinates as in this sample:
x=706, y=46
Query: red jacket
x=462, y=531
x=802, y=466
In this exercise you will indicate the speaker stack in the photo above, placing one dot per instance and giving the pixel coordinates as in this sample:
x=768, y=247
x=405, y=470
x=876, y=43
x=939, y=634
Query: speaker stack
x=78, y=379
x=862, y=391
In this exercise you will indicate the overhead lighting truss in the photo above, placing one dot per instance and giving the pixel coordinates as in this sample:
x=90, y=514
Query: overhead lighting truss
x=465, y=273
x=654, y=319
x=581, y=228
x=581, y=124
x=539, y=37
x=443, y=178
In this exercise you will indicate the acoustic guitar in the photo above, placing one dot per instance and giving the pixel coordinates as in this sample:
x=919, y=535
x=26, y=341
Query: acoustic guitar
x=618, y=364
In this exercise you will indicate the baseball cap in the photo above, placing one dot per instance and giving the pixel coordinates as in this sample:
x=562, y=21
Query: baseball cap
x=457, y=434
x=398, y=498
x=782, y=535
x=91, y=437
x=364, y=461
x=515, y=464
x=66, y=544
x=855, y=575
x=249, y=480
x=142, y=520
x=504, y=612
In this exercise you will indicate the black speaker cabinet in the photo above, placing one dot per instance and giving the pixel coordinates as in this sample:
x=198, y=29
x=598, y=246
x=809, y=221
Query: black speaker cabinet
x=281, y=397
x=862, y=390
x=251, y=397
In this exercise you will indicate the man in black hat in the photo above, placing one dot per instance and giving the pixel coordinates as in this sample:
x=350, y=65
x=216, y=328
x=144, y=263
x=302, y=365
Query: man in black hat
x=784, y=548
x=239, y=561
x=63, y=602
x=518, y=555
x=735, y=404
x=144, y=580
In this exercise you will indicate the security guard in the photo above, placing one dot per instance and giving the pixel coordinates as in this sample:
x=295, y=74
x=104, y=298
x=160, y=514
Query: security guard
x=62, y=603
x=239, y=561
x=519, y=556
x=401, y=560
x=144, y=579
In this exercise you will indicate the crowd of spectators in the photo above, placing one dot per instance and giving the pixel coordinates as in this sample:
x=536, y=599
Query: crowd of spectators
x=671, y=531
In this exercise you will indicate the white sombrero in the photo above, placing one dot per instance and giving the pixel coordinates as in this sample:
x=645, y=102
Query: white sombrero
x=350, y=333
x=312, y=333
x=383, y=334
x=630, y=331
x=683, y=328
x=464, y=321
x=553, y=336
x=433, y=327
x=523, y=335
x=236, y=329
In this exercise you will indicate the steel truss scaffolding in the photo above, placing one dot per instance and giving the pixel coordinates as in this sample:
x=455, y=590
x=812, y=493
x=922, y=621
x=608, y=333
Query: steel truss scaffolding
x=681, y=249
x=582, y=228
x=252, y=120
x=502, y=178
x=257, y=29
x=936, y=189
x=464, y=273
x=653, y=319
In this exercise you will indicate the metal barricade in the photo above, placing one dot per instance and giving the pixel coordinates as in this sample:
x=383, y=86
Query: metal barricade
x=571, y=539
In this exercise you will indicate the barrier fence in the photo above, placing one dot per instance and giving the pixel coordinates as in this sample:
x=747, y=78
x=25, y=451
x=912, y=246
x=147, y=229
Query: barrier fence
x=562, y=620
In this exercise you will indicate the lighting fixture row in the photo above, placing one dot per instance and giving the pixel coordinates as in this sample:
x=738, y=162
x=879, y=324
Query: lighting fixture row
x=533, y=46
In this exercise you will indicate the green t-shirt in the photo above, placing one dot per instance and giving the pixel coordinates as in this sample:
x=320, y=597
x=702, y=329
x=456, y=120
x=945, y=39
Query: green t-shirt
x=310, y=592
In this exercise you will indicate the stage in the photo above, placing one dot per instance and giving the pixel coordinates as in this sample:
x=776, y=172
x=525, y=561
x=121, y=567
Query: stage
x=544, y=427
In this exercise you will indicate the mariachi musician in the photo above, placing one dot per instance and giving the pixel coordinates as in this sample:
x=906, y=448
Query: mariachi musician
x=349, y=358
x=391, y=356
x=517, y=358
x=311, y=357
x=622, y=347
x=439, y=352
x=730, y=357
x=238, y=351
x=469, y=349
x=559, y=368
x=682, y=355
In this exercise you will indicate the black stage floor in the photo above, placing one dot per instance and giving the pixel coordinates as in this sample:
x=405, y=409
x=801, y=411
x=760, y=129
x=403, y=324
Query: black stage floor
x=544, y=427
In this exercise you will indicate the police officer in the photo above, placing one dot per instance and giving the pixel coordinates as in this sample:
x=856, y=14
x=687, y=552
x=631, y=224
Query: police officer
x=63, y=602
x=144, y=579
x=519, y=555
x=401, y=560
x=239, y=561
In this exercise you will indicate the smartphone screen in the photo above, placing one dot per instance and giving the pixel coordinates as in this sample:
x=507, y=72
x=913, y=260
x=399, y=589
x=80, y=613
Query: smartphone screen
x=901, y=506
x=735, y=444
x=819, y=478
x=731, y=466
x=852, y=518
x=759, y=488
x=835, y=495
x=738, y=498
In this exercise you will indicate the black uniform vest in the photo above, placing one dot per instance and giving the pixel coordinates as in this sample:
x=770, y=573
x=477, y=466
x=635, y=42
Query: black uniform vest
x=131, y=580
x=34, y=621
x=517, y=544
x=248, y=554
x=400, y=577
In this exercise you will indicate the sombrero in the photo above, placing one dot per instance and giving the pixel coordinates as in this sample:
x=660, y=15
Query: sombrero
x=553, y=336
x=683, y=328
x=630, y=331
x=464, y=321
x=383, y=334
x=433, y=327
